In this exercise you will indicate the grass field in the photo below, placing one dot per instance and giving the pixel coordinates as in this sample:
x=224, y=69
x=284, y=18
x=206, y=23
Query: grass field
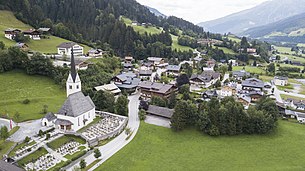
x=155, y=30
x=234, y=38
x=16, y=86
x=8, y=20
x=250, y=69
x=226, y=50
x=65, y=139
x=160, y=148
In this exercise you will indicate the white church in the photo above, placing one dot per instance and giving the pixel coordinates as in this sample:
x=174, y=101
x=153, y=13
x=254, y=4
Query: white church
x=78, y=109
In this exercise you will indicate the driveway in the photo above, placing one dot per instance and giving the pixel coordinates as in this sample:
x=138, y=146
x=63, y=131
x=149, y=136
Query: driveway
x=29, y=129
x=159, y=121
x=120, y=141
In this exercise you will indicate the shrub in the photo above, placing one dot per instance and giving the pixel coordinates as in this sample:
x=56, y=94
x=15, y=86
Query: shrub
x=26, y=101
x=27, y=139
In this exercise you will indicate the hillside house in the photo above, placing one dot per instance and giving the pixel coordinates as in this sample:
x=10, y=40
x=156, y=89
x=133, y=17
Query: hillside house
x=22, y=46
x=11, y=33
x=173, y=70
x=252, y=84
x=95, y=53
x=227, y=91
x=66, y=49
x=160, y=111
x=126, y=81
x=145, y=74
x=33, y=34
x=111, y=88
x=149, y=89
x=239, y=75
x=155, y=60
x=205, y=79
x=280, y=81
x=234, y=62
x=128, y=59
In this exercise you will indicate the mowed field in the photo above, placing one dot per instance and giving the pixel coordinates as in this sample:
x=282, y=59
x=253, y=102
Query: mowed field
x=155, y=30
x=8, y=20
x=16, y=86
x=157, y=148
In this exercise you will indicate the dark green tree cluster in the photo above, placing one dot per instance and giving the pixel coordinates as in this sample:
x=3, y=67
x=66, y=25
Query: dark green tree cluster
x=4, y=134
x=226, y=117
x=188, y=41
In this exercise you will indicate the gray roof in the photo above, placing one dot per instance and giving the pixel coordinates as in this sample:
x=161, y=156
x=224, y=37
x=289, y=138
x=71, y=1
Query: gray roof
x=205, y=76
x=50, y=116
x=63, y=122
x=240, y=73
x=245, y=97
x=73, y=70
x=281, y=78
x=155, y=87
x=300, y=115
x=198, y=58
x=129, y=80
x=125, y=76
x=44, y=29
x=76, y=104
x=289, y=112
x=160, y=111
x=145, y=72
x=253, y=82
x=4, y=166
x=67, y=45
x=173, y=67
x=128, y=65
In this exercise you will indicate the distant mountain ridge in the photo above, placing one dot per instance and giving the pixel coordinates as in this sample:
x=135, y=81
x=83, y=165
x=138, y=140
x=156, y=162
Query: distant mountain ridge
x=265, y=13
x=156, y=12
x=291, y=29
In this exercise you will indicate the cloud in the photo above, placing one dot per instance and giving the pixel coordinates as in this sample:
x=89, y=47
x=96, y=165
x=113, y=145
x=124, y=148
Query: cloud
x=200, y=10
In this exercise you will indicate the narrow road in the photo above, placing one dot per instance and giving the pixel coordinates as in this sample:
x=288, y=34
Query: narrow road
x=277, y=94
x=120, y=141
x=225, y=77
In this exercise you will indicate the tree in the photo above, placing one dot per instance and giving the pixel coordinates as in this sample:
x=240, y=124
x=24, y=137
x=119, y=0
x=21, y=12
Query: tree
x=182, y=79
x=82, y=164
x=185, y=113
x=44, y=109
x=254, y=63
x=104, y=100
x=2, y=45
x=121, y=106
x=172, y=100
x=27, y=139
x=271, y=68
x=158, y=101
x=16, y=116
x=244, y=44
x=4, y=134
x=142, y=114
x=230, y=67
x=217, y=84
x=97, y=153
x=186, y=68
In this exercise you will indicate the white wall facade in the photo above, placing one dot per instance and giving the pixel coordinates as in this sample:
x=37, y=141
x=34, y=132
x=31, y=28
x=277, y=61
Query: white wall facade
x=279, y=82
x=77, y=50
x=73, y=87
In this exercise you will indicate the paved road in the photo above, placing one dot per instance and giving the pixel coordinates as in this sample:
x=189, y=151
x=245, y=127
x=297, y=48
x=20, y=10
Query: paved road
x=277, y=94
x=293, y=94
x=225, y=77
x=120, y=141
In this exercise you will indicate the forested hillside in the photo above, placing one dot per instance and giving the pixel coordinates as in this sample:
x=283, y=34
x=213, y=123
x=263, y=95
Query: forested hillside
x=96, y=22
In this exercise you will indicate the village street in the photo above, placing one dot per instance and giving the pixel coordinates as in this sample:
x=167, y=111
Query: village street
x=120, y=141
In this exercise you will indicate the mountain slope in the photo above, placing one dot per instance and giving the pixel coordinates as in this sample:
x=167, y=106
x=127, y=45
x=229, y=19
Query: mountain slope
x=156, y=12
x=265, y=13
x=291, y=29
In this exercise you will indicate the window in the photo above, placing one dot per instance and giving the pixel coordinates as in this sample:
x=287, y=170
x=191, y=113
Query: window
x=70, y=87
x=88, y=115
x=78, y=121
x=77, y=87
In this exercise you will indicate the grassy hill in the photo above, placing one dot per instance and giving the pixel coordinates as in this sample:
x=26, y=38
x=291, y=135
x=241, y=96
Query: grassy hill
x=16, y=86
x=155, y=30
x=8, y=20
x=160, y=148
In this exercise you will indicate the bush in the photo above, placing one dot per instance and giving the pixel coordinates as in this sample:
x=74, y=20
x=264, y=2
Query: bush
x=27, y=139
x=26, y=101
x=142, y=115
x=48, y=136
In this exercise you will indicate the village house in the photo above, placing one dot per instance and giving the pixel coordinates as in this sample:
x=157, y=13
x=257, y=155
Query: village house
x=252, y=84
x=66, y=49
x=209, y=94
x=205, y=79
x=147, y=66
x=22, y=46
x=33, y=34
x=95, y=53
x=78, y=110
x=155, y=60
x=233, y=62
x=239, y=75
x=11, y=33
x=128, y=66
x=135, y=23
x=145, y=74
x=128, y=59
x=197, y=59
x=295, y=104
x=111, y=88
x=245, y=100
x=160, y=111
x=126, y=82
x=280, y=81
x=49, y=120
x=300, y=117
x=173, y=70
x=227, y=91
x=44, y=30
x=251, y=51
x=149, y=89
x=255, y=96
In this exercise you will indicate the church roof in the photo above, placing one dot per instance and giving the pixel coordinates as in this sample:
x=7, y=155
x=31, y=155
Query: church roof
x=73, y=70
x=76, y=105
x=50, y=116
x=63, y=122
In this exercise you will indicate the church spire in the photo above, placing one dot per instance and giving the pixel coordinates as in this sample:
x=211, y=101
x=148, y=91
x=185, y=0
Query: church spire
x=73, y=70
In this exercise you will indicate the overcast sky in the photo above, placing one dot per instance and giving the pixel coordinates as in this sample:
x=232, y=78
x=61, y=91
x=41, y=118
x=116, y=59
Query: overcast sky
x=200, y=10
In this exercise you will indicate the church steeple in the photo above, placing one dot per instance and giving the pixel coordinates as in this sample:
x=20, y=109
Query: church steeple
x=73, y=84
x=73, y=70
